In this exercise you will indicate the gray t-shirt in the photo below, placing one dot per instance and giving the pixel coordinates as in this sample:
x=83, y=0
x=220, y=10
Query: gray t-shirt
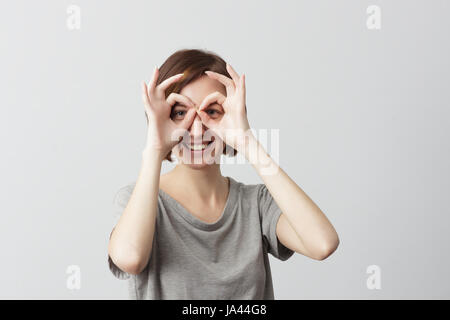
x=224, y=260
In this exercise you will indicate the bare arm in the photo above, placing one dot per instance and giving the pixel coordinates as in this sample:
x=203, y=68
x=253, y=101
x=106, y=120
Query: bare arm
x=302, y=227
x=130, y=243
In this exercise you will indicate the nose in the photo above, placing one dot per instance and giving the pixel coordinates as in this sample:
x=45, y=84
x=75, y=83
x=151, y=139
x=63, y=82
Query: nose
x=197, y=129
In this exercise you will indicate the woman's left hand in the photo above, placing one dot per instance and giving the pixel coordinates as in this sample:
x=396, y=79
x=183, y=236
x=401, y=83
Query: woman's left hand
x=233, y=126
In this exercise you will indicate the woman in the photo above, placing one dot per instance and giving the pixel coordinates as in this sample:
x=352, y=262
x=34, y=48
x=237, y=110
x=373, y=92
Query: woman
x=193, y=233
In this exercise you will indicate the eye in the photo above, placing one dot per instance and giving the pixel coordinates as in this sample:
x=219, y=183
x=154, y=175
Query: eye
x=214, y=111
x=178, y=113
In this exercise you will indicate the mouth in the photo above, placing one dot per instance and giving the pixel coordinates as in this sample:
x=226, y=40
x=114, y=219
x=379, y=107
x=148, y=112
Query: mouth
x=198, y=147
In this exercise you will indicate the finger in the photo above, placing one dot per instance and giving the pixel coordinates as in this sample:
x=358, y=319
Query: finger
x=242, y=86
x=243, y=92
x=187, y=121
x=227, y=82
x=205, y=119
x=166, y=83
x=146, y=101
x=145, y=98
x=152, y=83
x=213, y=97
x=233, y=74
x=176, y=97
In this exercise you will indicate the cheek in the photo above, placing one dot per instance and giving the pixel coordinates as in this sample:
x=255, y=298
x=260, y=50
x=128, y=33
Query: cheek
x=219, y=148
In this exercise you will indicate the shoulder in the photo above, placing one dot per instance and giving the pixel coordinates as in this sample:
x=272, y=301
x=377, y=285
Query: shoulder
x=256, y=194
x=248, y=190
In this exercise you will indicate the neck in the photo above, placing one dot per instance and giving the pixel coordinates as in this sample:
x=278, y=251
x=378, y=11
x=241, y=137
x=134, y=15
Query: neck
x=206, y=183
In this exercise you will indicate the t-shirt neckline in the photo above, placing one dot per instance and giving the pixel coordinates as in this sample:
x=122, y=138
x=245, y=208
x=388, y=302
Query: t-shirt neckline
x=190, y=218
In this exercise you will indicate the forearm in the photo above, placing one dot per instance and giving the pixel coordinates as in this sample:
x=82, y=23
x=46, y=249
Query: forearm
x=131, y=241
x=309, y=222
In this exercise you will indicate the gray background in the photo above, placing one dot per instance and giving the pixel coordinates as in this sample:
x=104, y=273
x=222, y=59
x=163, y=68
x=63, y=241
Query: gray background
x=363, y=118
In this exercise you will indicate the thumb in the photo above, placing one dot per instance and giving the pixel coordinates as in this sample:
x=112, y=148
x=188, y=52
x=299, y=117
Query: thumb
x=187, y=121
x=205, y=119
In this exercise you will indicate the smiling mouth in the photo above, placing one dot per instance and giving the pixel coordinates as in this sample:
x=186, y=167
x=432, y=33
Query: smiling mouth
x=198, y=147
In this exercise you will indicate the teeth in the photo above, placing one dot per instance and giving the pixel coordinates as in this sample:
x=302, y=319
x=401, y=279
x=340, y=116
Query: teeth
x=198, y=147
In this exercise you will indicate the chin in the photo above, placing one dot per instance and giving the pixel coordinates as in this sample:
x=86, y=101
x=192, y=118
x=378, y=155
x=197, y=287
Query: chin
x=197, y=166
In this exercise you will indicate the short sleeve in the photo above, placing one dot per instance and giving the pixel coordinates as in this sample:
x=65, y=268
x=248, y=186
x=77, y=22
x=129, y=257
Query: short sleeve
x=269, y=214
x=120, y=201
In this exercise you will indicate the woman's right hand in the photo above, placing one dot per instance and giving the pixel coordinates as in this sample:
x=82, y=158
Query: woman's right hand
x=163, y=133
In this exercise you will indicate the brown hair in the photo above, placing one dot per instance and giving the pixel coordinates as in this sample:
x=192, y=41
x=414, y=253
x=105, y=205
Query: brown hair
x=193, y=63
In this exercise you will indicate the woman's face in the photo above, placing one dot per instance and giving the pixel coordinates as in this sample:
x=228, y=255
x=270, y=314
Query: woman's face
x=201, y=147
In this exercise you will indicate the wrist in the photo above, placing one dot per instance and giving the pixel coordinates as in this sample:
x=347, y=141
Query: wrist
x=153, y=154
x=259, y=158
x=248, y=145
